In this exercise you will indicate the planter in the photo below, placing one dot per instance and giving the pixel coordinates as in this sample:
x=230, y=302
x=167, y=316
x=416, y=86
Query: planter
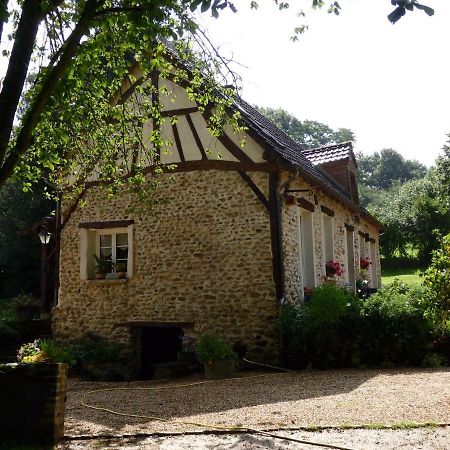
x=121, y=274
x=217, y=370
x=32, y=403
x=100, y=276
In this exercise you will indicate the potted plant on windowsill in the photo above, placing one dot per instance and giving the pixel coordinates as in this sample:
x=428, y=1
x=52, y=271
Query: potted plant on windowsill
x=333, y=268
x=216, y=355
x=102, y=267
x=121, y=269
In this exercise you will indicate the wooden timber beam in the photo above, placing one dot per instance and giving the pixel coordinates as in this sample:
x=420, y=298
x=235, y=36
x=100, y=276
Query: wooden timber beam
x=196, y=136
x=176, y=135
x=262, y=198
x=179, y=112
x=275, y=235
x=192, y=166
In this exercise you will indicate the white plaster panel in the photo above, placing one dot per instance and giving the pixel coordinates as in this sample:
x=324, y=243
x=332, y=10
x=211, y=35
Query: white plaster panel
x=252, y=149
x=214, y=149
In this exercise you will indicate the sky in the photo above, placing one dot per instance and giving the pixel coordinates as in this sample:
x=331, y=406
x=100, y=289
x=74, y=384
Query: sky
x=389, y=84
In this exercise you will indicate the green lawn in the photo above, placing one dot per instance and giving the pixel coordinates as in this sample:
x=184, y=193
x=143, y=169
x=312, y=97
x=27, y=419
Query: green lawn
x=406, y=275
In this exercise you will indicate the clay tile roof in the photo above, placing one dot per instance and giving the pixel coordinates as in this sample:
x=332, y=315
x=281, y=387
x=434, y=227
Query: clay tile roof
x=330, y=153
x=285, y=147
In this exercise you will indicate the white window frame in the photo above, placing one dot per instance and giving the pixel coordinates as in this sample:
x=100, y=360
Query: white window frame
x=90, y=246
x=306, y=266
x=324, y=239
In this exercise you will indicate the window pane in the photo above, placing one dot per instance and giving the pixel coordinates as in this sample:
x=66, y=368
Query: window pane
x=105, y=240
x=106, y=253
x=122, y=240
x=122, y=253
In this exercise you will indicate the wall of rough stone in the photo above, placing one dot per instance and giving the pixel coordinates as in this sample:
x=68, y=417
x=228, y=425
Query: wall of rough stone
x=205, y=257
x=342, y=215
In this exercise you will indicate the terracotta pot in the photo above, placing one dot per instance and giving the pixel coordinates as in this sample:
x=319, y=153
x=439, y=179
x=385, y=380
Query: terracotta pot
x=100, y=276
x=121, y=274
x=217, y=370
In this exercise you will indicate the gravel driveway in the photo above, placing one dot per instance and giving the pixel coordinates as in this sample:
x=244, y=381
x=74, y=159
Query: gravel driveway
x=264, y=401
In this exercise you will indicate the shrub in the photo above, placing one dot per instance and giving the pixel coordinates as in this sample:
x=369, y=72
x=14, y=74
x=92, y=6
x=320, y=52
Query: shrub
x=93, y=347
x=437, y=282
x=58, y=353
x=211, y=347
x=42, y=350
x=390, y=328
x=320, y=333
x=396, y=331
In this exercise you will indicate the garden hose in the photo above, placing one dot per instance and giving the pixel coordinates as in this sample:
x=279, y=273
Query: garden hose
x=229, y=428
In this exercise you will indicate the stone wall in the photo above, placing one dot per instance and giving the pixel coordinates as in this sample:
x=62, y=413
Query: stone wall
x=342, y=215
x=205, y=257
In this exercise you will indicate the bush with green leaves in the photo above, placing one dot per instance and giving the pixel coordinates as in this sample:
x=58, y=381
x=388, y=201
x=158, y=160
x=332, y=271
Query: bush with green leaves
x=436, y=280
x=396, y=330
x=320, y=334
x=210, y=348
x=45, y=350
x=93, y=347
x=390, y=328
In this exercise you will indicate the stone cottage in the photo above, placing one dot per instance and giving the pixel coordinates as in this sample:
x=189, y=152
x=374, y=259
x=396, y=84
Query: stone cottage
x=240, y=235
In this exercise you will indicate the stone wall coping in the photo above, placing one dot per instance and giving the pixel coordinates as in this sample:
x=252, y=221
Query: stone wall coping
x=108, y=282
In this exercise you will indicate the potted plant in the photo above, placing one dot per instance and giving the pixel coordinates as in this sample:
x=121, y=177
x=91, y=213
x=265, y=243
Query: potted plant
x=364, y=263
x=121, y=269
x=307, y=294
x=333, y=268
x=103, y=265
x=216, y=355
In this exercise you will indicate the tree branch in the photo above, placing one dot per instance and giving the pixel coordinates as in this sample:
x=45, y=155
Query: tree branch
x=32, y=117
x=17, y=69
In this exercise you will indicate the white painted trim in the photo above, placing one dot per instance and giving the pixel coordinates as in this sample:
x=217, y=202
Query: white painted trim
x=84, y=254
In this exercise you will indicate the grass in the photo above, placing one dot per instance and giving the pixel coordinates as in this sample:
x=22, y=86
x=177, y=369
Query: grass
x=407, y=275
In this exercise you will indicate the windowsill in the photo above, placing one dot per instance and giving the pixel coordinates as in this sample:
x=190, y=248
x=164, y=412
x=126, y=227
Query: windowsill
x=109, y=281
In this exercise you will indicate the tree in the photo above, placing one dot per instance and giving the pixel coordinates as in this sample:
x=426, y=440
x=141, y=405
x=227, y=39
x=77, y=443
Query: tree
x=382, y=170
x=81, y=55
x=309, y=133
x=19, y=251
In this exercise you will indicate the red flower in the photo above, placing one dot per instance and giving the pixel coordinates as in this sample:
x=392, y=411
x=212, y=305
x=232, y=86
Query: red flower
x=364, y=263
x=335, y=267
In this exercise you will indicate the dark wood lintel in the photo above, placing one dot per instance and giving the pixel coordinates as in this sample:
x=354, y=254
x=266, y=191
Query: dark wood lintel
x=106, y=224
x=327, y=211
x=155, y=324
x=303, y=203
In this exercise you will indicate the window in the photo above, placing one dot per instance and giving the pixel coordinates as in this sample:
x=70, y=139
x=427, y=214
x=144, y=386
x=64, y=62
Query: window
x=328, y=248
x=113, y=246
x=350, y=253
x=362, y=246
x=306, y=248
x=111, y=241
x=373, y=267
